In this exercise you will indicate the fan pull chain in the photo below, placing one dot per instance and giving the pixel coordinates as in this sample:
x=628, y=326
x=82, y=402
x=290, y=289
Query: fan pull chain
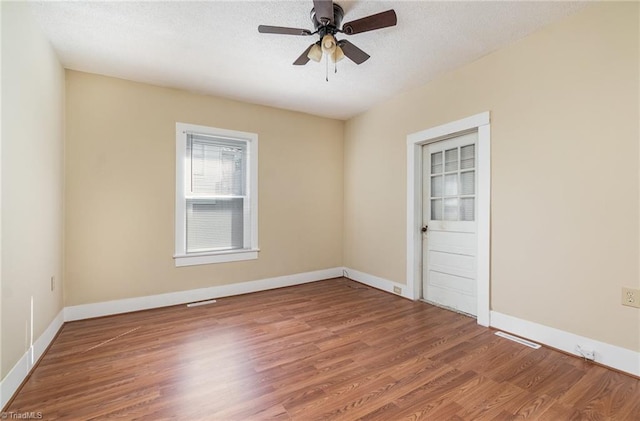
x=326, y=68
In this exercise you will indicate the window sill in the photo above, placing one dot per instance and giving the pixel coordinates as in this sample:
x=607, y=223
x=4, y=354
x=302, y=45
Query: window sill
x=215, y=257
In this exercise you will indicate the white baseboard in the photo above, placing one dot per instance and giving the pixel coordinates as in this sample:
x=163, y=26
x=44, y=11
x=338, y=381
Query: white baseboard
x=107, y=308
x=378, y=283
x=609, y=355
x=12, y=381
x=606, y=354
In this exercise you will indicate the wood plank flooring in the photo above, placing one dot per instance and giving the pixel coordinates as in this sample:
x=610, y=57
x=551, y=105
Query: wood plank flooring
x=329, y=350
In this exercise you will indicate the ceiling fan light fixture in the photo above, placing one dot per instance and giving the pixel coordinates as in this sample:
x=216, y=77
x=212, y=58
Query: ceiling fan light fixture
x=337, y=55
x=315, y=53
x=326, y=17
x=329, y=44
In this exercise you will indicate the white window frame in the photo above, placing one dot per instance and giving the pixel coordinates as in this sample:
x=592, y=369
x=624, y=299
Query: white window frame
x=250, y=249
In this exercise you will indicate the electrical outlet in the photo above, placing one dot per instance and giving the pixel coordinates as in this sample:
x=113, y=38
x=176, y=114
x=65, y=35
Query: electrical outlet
x=631, y=297
x=53, y=283
x=397, y=290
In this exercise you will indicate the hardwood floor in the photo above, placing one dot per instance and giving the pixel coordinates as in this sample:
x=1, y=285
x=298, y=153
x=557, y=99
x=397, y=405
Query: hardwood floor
x=327, y=350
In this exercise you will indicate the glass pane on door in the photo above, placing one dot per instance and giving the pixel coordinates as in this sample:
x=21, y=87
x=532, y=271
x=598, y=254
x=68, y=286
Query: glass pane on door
x=436, y=209
x=436, y=186
x=467, y=157
x=451, y=184
x=467, y=209
x=436, y=163
x=451, y=160
x=467, y=183
x=451, y=209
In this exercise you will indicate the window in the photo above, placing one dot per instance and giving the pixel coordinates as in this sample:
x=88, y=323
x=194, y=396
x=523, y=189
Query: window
x=216, y=195
x=453, y=185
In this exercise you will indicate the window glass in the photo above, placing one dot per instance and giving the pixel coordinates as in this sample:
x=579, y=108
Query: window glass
x=216, y=195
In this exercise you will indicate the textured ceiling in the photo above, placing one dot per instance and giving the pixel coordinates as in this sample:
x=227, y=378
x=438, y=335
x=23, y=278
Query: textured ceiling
x=214, y=47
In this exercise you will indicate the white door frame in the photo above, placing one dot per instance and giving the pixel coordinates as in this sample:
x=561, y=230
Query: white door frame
x=415, y=141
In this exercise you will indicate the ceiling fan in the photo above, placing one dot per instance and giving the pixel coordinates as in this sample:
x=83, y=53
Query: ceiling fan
x=326, y=17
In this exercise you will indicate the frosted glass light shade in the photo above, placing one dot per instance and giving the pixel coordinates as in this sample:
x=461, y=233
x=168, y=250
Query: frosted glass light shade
x=328, y=44
x=337, y=55
x=315, y=53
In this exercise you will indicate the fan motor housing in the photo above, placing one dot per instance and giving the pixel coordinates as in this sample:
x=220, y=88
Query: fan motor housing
x=329, y=28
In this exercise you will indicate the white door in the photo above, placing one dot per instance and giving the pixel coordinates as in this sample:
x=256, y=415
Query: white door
x=449, y=246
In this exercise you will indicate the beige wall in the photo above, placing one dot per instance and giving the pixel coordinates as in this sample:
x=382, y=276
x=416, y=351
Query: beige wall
x=120, y=181
x=565, y=214
x=565, y=191
x=32, y=182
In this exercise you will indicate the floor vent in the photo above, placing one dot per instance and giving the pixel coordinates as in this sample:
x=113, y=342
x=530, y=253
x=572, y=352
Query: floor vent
x=201, y=303
x=518, y=340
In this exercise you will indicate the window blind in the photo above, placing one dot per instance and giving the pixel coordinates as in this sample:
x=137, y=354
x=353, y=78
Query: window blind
x=215, y=200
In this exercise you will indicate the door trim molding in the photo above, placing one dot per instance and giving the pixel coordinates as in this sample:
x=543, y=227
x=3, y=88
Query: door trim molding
x=415, y=141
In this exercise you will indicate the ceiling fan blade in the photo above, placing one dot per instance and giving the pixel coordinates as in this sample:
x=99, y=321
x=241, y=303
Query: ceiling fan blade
x=324, y=10
x=370, y=23
x=352, y=52
x=266, y=29
x=303, y=59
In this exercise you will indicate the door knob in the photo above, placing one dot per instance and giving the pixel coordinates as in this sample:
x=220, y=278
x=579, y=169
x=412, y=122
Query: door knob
x=425, y=228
